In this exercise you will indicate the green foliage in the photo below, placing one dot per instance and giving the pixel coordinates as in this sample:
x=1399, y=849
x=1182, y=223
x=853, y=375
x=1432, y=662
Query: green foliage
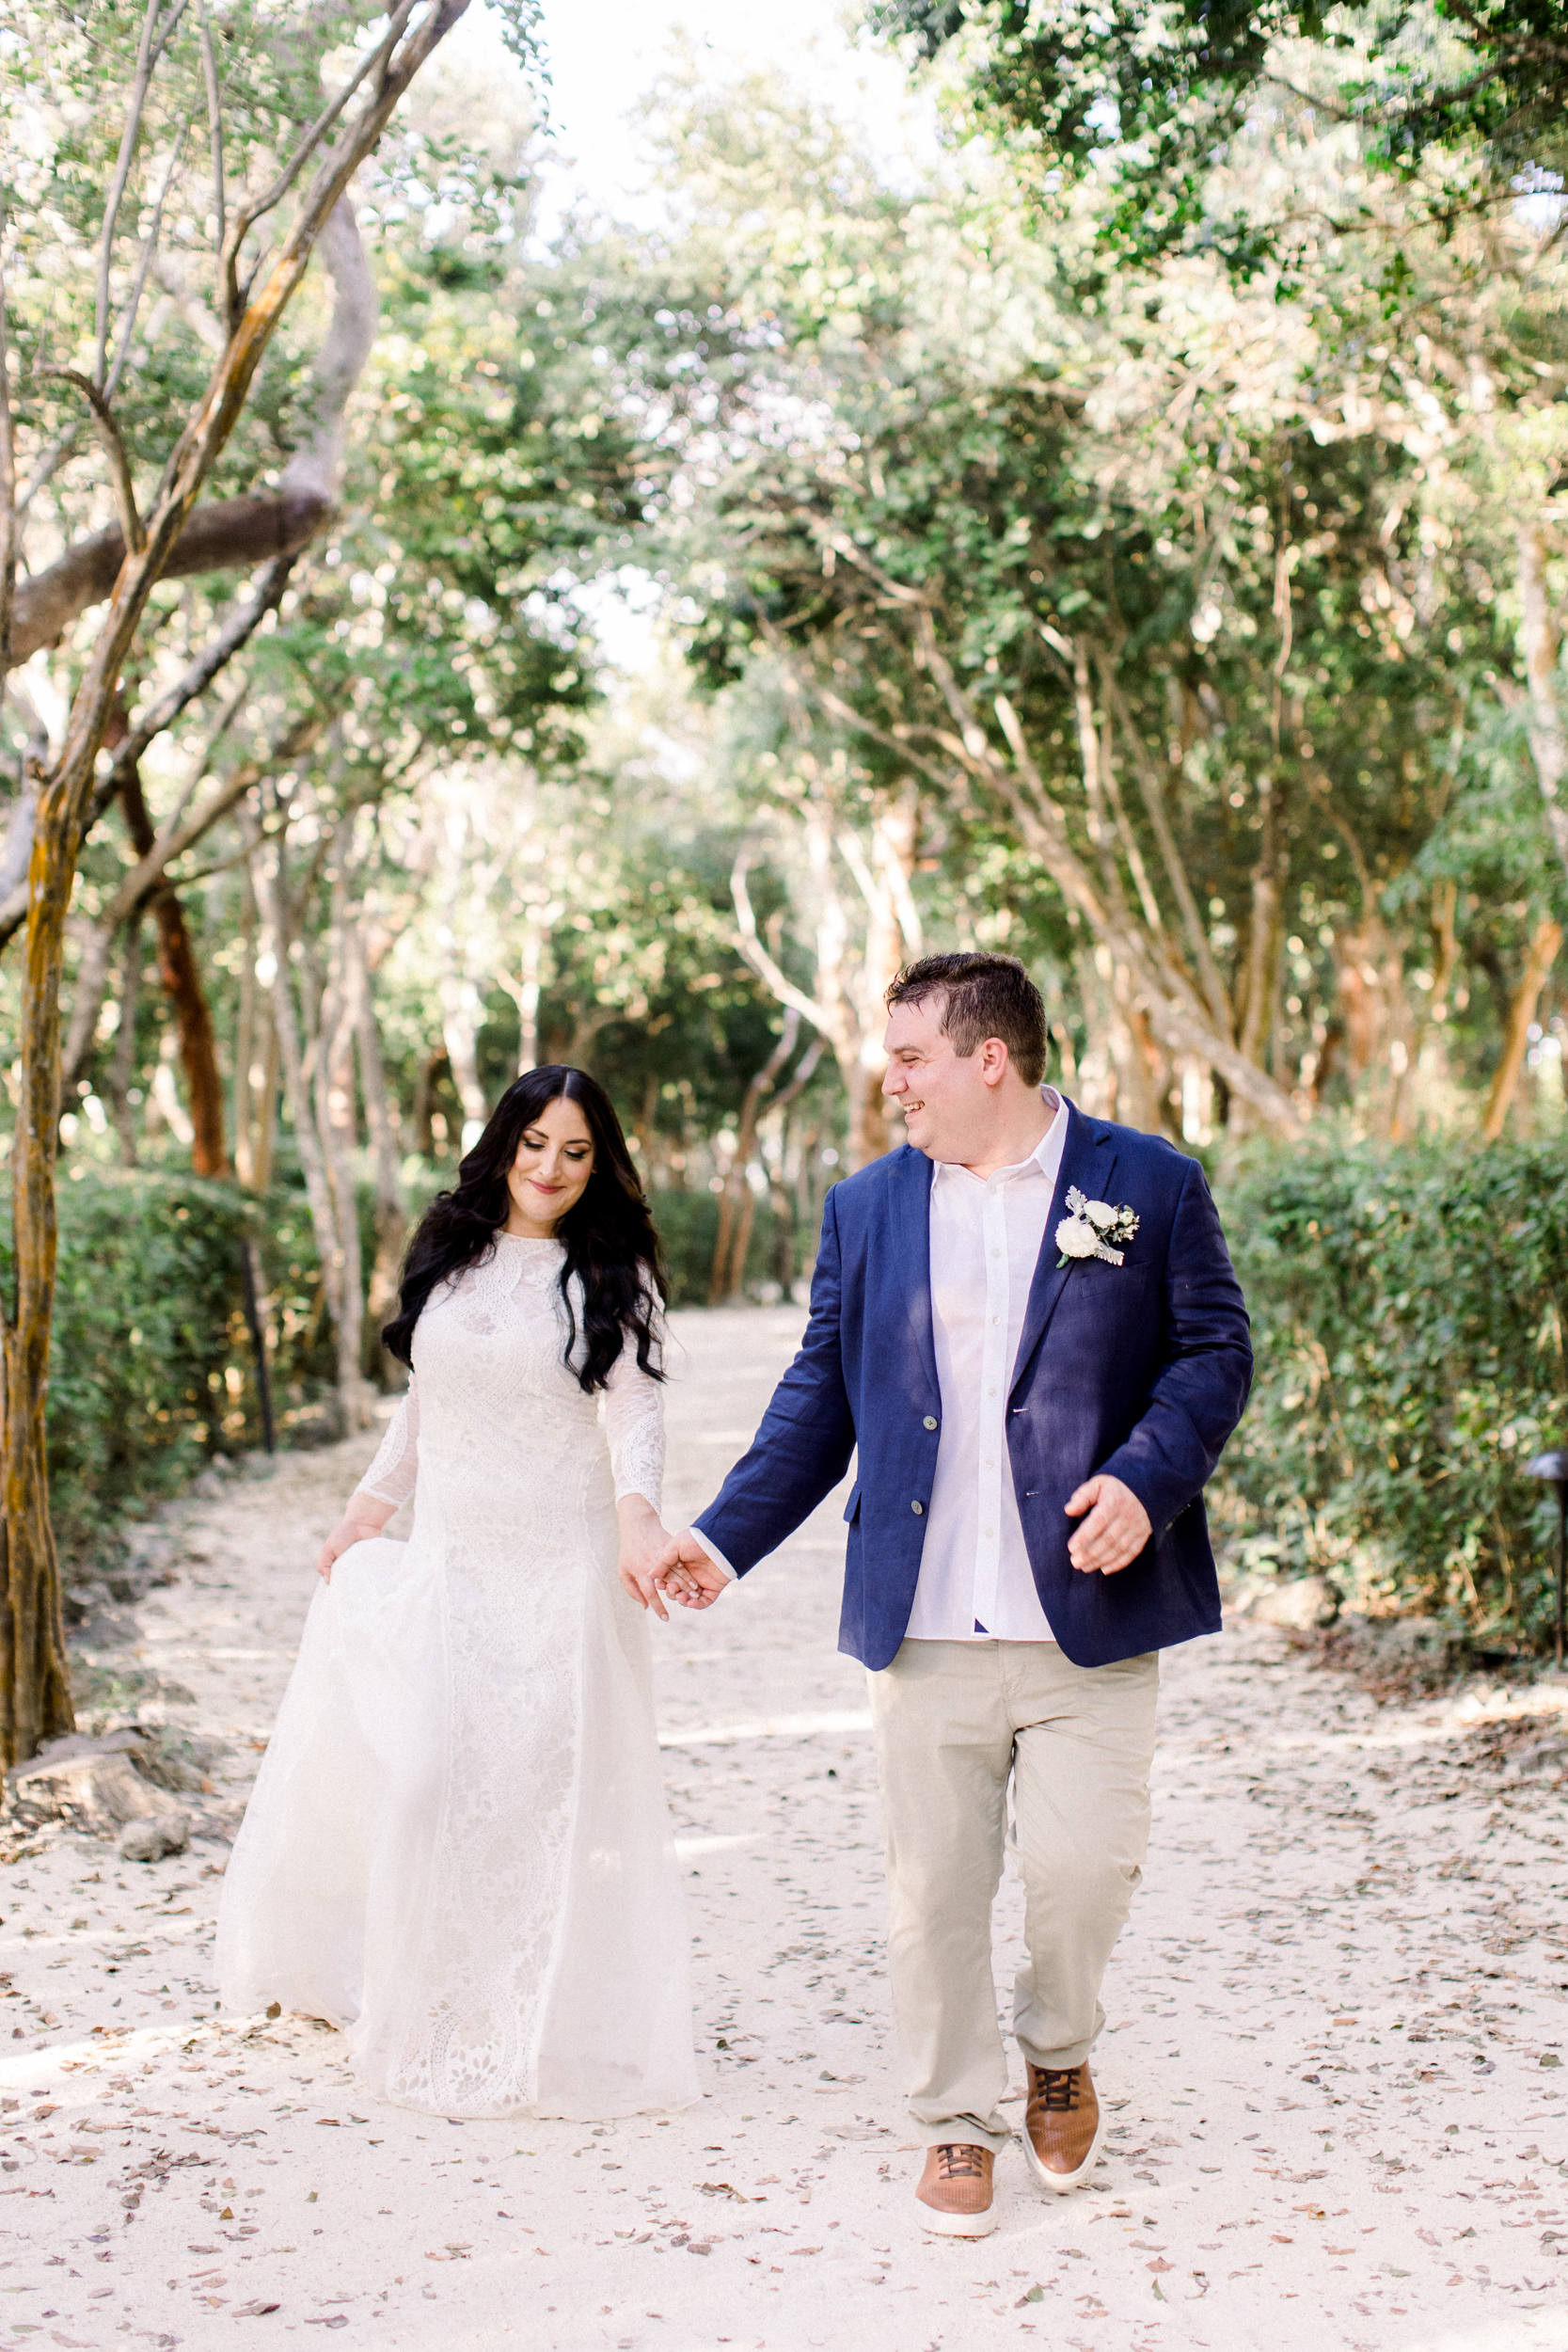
x=1150, y=101
x=153, y=1369
x=688, y=1224
x=1408, y=1308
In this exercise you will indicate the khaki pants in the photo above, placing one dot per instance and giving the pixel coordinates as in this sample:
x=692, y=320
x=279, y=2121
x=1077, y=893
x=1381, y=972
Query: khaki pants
x=954, y=1721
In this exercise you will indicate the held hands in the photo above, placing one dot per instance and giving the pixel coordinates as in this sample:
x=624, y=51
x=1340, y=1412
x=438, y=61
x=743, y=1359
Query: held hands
x=689, y=1575
x=656, y=1566
x=362, y=1519
x=682, y=1571
x=1114, y=1532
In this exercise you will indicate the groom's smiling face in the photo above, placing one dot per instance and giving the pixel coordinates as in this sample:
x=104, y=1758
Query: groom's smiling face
x=943, y=1096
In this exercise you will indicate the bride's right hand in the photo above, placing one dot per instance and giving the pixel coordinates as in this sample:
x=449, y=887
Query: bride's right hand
x=353, y=1528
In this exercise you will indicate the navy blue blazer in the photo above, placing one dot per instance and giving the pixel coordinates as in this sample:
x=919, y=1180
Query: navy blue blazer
x=1141, y=1370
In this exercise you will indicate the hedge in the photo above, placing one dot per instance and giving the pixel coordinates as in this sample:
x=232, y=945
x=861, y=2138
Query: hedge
x=1409, y=1307
x=1408, y=1310
x=688, y=1224
x=152, y=1368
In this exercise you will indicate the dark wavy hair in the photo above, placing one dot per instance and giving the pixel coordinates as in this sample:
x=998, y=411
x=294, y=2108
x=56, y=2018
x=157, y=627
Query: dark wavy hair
x=610, y=1237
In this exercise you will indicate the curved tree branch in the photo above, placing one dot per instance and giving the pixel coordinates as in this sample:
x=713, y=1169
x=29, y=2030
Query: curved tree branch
x=232, y=534
x=767, y=971
x=130, y=531
x=241, y=625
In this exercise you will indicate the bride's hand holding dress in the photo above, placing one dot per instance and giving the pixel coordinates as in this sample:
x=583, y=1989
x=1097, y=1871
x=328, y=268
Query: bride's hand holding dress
x=362, y=1521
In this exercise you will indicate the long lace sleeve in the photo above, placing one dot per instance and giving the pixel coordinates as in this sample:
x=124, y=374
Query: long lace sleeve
x=634, y=1423
x=391, y=1475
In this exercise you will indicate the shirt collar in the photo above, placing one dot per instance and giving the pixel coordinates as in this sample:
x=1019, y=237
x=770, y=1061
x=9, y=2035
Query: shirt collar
x=1043, y=1160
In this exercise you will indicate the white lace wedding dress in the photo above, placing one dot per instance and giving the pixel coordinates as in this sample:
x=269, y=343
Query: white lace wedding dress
x=458, y=1848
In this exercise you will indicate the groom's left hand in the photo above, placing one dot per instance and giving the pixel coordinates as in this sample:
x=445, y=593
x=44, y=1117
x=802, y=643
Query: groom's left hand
x=1114, y=1532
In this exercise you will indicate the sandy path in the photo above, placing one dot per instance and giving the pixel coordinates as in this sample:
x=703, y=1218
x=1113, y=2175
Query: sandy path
x=1336, y=2029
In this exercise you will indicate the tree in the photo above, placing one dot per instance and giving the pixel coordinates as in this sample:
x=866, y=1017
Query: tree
x=1190, y=581
x=320, y=146
x=1150, y=108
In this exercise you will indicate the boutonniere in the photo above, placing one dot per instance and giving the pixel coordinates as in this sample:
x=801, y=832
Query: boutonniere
x=1094, y=1229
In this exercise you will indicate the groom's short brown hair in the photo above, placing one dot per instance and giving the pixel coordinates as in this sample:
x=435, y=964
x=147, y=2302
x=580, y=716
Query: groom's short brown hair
x=983, y=996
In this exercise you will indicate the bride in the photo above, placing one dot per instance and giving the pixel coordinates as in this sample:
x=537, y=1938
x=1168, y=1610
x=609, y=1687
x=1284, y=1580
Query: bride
x=458, y=1849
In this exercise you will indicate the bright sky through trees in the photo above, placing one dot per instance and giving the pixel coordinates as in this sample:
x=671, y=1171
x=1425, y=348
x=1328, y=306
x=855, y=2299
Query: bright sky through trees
x=604, y=59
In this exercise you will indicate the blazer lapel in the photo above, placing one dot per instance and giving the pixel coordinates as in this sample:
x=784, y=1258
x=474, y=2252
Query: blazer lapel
x=914, y=1255
x=1088, y=1159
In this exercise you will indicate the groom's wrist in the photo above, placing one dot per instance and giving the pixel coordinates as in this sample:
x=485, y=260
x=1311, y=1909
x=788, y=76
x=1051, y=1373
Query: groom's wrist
x=714, y=1554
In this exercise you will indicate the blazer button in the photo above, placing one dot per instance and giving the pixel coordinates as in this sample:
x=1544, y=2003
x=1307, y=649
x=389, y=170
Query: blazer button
x=919, y=1509
x=930, y=1422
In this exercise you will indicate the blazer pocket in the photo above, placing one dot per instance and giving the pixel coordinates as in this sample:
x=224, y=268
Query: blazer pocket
x=852, y=1508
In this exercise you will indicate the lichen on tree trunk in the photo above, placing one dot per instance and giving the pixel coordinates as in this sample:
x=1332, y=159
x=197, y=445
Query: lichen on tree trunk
x=34, y=1680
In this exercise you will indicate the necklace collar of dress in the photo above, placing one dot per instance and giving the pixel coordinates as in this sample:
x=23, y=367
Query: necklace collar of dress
x=529, y=1241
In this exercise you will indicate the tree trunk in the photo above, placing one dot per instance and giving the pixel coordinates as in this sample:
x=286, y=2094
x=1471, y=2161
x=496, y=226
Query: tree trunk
x=1541, y=644
x=1544, y=942
x=869, y=1133
x=460, y=1019
x=271, y=892
x=430, y=1065
x=125, y=1042
x=737, y=1203
x=35, y=1681
x=392, y=1214
x=193, y=1019
x=530, y=982
x=336, y=1131
x=35, y=1691
x=263, y=1099
x=244, y=1034
x=198, y=1044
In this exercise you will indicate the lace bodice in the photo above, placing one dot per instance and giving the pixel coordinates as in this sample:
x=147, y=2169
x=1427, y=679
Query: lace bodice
x=513, y=1297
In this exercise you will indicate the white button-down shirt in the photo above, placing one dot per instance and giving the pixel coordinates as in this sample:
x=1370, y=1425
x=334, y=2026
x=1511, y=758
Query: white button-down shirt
x=987, y=1233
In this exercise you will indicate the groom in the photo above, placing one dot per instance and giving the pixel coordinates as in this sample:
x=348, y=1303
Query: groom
x=1027, y=1322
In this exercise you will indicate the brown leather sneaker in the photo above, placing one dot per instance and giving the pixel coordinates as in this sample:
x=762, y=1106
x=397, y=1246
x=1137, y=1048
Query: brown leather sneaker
x=1064, y=2126
x=954, y=2195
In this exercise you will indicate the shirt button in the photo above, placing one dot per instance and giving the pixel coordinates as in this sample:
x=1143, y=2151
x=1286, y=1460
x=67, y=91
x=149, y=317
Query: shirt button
x=990, y=1531
x=930, y=1420
x=919, y=1509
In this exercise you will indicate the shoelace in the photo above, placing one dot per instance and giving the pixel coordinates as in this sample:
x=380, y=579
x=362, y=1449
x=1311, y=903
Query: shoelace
x=961, y=2163
x=1056, y=2088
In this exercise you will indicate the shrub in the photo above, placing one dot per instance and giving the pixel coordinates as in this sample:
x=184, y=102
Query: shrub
x=152, y=1368
x=687, y=1226
x=1408, y=1308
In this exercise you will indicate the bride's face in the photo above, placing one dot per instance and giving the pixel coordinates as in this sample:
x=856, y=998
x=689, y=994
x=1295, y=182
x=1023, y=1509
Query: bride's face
x=550, y=1173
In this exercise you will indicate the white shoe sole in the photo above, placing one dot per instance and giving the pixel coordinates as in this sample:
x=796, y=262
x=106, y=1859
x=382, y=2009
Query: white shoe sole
x=1061, y=2183
x=957, y=2224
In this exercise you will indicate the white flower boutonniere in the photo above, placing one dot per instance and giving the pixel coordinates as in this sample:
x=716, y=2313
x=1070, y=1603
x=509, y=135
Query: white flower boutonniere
x=1093, y=1230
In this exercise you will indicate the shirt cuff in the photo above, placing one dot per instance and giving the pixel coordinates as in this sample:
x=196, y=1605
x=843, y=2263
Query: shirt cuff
x=714, y=1554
